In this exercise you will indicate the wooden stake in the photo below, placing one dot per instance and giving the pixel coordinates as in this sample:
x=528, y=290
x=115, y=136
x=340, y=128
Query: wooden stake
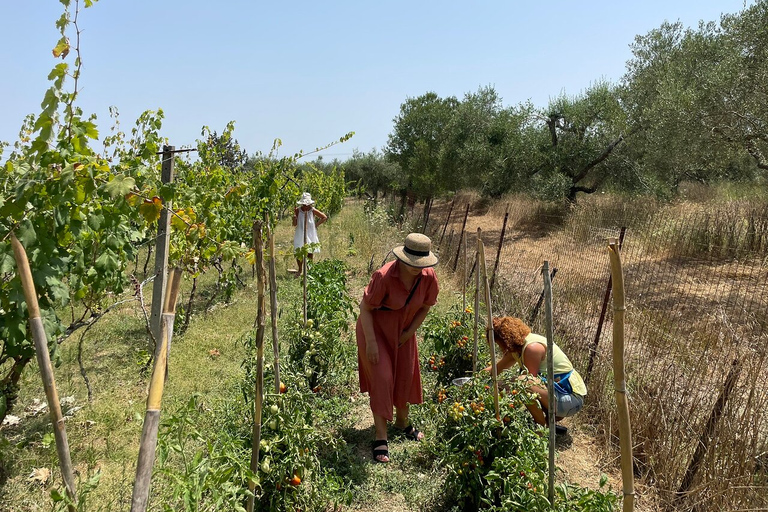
x=46, y=370
x=148, y=443
x=273, y=306
x=551, y=413
x=498, y=251
x=477, y=304
x=304, y=271
x=619, y=382
x=445, y=226
x=259, y=384
x=489, y=330
x=461, y=237
x=709, y=430
x=603, y=309
x=162, y=243
x=464, y=278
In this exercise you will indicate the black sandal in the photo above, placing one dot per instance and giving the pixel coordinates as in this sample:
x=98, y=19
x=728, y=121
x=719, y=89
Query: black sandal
x=411, y=432
x=380, y=449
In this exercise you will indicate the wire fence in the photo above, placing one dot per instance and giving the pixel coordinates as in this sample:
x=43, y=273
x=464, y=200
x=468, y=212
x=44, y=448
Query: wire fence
x=696, y=280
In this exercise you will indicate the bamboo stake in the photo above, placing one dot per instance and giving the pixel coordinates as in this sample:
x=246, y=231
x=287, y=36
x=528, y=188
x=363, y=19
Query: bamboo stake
x=304, y=270
x=148, y=444
x=551, y=413
x=273, y=306
x=489, y=330
x=46, y=370
x=259, y=384
x=619, y=382
x=477, y=304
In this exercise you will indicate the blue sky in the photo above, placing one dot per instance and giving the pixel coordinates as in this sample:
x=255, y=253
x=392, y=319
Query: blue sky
x=308, y=72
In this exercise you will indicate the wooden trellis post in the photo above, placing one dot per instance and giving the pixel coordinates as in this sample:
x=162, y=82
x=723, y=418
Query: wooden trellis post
x=46, y=370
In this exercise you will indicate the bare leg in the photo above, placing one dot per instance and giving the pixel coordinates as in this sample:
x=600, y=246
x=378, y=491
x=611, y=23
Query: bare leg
x=380, y=424
x=401, y=419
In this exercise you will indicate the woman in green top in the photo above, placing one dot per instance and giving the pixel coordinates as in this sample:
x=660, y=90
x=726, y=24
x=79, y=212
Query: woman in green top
x=529, y=351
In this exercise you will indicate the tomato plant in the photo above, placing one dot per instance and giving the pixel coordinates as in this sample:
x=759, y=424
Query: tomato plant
x=452, y=336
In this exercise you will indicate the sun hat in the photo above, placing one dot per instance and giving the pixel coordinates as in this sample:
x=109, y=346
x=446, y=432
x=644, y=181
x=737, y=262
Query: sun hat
x=306, y=199
x=416, y=251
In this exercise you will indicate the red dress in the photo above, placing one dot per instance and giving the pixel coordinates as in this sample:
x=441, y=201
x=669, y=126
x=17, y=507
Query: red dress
x=395, y=379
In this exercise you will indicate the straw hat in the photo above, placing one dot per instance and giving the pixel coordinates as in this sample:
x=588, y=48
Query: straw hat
x=416, y=251
x=306, y=199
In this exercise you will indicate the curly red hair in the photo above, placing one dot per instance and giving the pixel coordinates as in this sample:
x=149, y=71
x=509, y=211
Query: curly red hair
x=509, y=333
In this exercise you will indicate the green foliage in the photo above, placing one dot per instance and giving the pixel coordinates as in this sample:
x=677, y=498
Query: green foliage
x=501, y=464
x=315, y=348
x=452, y=336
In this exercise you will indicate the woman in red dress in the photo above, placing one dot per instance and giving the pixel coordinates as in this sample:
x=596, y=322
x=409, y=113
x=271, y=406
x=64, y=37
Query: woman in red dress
x=395, y=303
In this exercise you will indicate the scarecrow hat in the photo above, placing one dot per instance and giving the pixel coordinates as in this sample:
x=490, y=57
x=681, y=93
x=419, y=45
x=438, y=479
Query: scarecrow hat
x=416, y=251
x=306, y=199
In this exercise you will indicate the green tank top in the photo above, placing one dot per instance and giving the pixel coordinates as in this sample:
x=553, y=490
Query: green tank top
x=560, y=363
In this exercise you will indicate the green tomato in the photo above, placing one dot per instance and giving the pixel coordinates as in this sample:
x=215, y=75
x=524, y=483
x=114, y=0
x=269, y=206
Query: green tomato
x=273, y=424
x=264, y=445
x=308, y=372
x=310, y=323
x=274, y=409
x=265, y=466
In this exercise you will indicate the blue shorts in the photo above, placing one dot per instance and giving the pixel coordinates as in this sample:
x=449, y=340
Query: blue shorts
x=568, y=405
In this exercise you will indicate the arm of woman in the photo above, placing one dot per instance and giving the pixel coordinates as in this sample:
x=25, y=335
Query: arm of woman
x=321, y=217
x=506, y=362
x=366, y=320
x=295, y=220
x=418, y=318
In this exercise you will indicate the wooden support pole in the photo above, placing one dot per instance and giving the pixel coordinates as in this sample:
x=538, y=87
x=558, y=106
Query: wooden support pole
x=619, y=381
x=148, y=444
x=464, y=278
x=445, y=226
x=162, y=243
x=498, y=251
x=489, y=330
x=537, y=307
x=273, y=304
x=603, y=309
x=551, y=413
x=259, y=384
x=304, y=272
x=709, y=430
x=461, y=237
x=46, y=370
x=477, y=304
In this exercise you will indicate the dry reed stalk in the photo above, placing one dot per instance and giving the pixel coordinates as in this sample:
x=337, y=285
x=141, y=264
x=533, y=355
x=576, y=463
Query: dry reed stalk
x=46, y=370
x=259, y=384
x=622, y=405
x=477, y=309
x=148, y=444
